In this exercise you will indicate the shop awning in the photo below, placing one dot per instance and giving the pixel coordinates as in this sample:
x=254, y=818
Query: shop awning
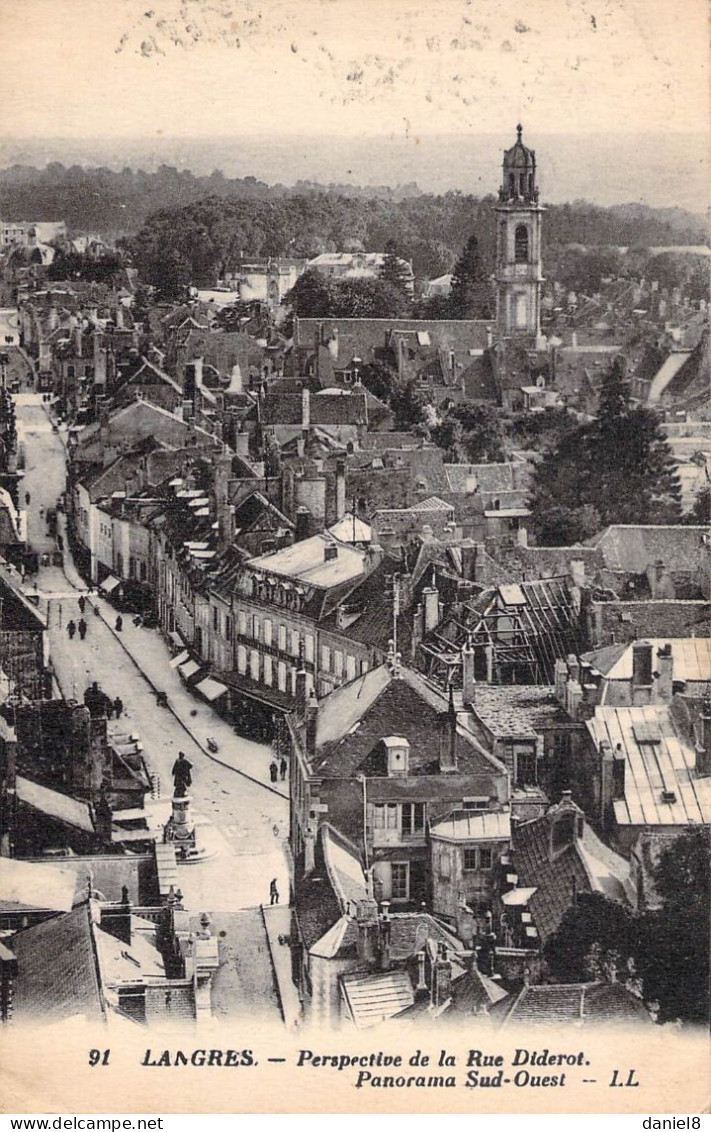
x=176, y=640
x=211, y=689
x=109, y=584
x=188, y=669
x=179, y=659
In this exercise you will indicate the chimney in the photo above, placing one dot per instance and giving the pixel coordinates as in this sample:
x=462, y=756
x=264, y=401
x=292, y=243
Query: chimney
x=448, y=737
x=119, y=317
x=421, y=988
x=242, y=444
x=305, y=408
x=618, y=774
x=340, y=501
x=301, y=696
x=235, y=385
x=431, y=602
x=198, y=364
x=318, y=333
x=303, y=524
x=441, y=978
x=577, y=572
x=560, y=680
x=309, y=851
x=116, y=918
x=641, y=673
x=385, y=928
x=368, y=930
x=663, y=676
x=468, y=680
x=311, y=732
x=703, y=740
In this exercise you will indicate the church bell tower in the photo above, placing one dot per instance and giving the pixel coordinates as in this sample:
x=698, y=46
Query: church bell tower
x=518, y=246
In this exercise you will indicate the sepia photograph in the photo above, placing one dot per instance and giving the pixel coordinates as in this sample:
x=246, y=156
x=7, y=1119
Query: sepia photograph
x=355, y=557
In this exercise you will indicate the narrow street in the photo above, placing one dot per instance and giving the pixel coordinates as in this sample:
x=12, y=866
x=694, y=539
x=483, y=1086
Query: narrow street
x=242, y=823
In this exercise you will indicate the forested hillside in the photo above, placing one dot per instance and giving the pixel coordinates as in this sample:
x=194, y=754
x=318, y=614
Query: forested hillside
x=214, y=220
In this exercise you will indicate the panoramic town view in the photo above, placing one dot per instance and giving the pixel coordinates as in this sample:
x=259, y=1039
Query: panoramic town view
x=355, y=664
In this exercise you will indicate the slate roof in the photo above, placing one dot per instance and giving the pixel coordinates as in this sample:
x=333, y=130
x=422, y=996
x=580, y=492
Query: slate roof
x=354, y=719
x=61, y=807
x=631, y=549
x=581, y=1004
x=374, y=623
x=585, y=864
x=518, y=710
x=58, y=970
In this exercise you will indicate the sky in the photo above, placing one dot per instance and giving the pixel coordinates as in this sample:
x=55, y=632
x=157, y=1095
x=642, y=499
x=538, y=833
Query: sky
x=352, y=68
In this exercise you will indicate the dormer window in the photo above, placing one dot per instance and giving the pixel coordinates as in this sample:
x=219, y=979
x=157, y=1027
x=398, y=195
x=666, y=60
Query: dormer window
x=398, y=755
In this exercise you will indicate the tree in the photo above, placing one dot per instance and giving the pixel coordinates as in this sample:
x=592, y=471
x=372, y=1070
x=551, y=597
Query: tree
x=701, y=511
x=311, y=296
x=591, y=931
x=470, y=296
x=667, y=948
x=394, y=271
x=617, y=469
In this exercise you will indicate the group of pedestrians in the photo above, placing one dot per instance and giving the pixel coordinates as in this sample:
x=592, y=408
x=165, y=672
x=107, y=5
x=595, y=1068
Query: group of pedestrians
x=74, y=627
x=278, y=770
x=99, y=703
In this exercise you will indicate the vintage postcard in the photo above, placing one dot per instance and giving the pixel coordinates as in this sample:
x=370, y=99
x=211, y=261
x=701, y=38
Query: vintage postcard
x=355, y=558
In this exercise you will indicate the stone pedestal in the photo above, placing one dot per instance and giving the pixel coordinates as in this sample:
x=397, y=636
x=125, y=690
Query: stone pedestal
x=179, y=831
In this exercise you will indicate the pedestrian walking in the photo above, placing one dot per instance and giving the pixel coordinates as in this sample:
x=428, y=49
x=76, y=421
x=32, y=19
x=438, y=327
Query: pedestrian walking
x=81, y=603
x=282, y=768
x=118, y=707
x=273, y=892
x=28, y=497
x=82, y=626
x=71, y=629
x=273, y=771
x=119, y=624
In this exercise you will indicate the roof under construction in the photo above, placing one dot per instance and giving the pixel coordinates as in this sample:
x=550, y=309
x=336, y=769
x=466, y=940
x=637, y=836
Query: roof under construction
x=517, y=633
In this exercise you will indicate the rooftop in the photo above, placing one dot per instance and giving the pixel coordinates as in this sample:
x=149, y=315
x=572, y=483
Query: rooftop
x=659, y=761
x=306, y=561
x=517, y=709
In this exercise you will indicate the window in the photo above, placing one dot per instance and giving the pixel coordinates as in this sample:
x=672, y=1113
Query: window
x=267, y=631
x=228, y=628
x=485, y=857
x=281, y=676
x=524, y=764
x=242, y=623
x=325, y=658
x=268, y=671
x=521, y=244
x=254, y=665
x=385, y=816
x=413, y=819
x=338, y=663
x=255, y=627
x=400, y=880
x=475, y=804
x=241, y=659
x=309, y=648
x=294, y=642
x=471, y=860
x=350, y=668
x=282, y=637
x=215, y=619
